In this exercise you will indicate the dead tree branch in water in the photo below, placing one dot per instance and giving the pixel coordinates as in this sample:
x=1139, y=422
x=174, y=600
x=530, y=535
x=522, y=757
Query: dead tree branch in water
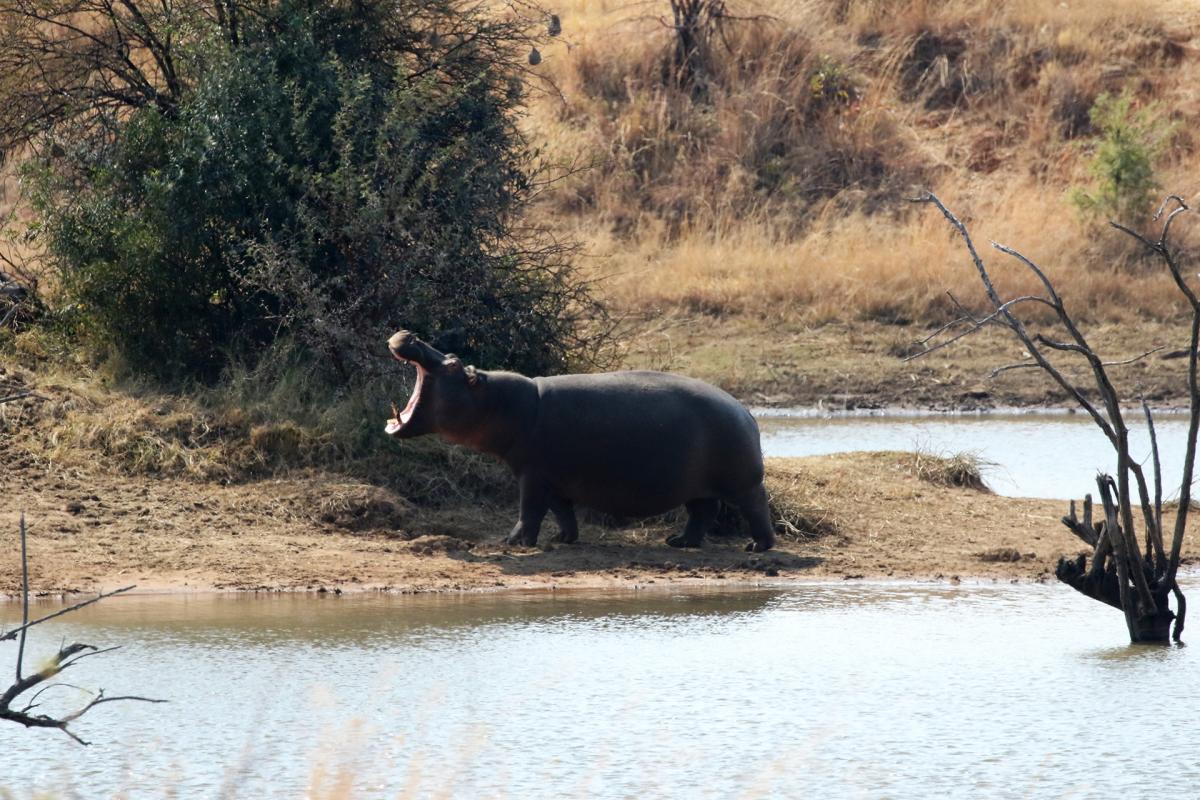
x=1139, y=582
x=66, y=657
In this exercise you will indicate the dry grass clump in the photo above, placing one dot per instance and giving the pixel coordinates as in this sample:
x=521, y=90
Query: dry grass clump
x=796, y=513
x=82, y=423
x=964, y=470
x=219, y=433
x=359, y=507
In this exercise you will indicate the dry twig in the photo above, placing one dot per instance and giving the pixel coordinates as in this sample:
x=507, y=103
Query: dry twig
x=67, y=657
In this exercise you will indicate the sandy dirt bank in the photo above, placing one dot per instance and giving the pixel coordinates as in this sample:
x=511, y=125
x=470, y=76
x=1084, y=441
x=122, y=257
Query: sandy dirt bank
x=93, y=525
x=91, y=530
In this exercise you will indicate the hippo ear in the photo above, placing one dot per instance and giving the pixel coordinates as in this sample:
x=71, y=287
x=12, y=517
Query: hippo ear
x=473, y=375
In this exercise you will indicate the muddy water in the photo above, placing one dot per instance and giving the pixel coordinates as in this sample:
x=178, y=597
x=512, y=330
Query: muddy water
x=899, y=691
x=1029, y=455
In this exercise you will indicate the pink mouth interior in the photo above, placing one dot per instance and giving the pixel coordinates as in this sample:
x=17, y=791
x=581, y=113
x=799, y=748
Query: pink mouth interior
x=396, y=423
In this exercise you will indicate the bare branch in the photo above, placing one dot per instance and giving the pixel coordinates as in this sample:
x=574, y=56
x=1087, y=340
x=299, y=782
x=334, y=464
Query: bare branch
x=976, y=325
x=20, y=396
x=1135, y=234
x=1179, y=209
x=1011, y=367
x=1133, y=359
x=1154, y=527
x=15, y=631
x=24, y=597
x=1189, y=459
x=67, y=656
x=1083, y=529
x=1120, y=574
x=1116, y=538
x=1064, y=346
x=1180, y=612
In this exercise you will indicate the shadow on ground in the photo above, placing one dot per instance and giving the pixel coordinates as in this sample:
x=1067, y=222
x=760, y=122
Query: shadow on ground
x=615, y=553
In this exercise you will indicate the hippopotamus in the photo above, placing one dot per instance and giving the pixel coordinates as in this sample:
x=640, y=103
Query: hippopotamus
x=629, y=444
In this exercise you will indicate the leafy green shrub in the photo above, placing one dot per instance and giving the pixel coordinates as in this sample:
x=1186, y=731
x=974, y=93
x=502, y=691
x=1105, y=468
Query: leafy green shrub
x=831, y=84
x=1131, y=140
x=330, y=174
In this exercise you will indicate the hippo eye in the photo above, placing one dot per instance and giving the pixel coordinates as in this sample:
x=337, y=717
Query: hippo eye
x=452, y=363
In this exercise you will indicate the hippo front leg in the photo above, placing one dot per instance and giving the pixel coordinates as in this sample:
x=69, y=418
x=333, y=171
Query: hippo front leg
x=534, y=504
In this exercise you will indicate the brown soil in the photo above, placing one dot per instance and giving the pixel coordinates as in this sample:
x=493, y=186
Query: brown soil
x=92, y=526
x=90, y=529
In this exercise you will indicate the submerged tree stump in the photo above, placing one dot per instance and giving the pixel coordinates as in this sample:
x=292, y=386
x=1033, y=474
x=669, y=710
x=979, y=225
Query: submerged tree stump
x=1103, y=579
x=1139, y=580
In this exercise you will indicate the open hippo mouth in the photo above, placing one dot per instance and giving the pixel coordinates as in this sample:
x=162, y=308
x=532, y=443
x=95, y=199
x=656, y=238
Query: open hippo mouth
x=401, y=417
x=409, y=349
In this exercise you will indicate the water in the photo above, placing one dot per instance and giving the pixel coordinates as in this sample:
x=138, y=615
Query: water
x=899, y=691
x=1030, y=455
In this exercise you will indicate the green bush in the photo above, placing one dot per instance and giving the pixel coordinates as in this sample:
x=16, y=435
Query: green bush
x=330, y=175
x=1131, y=140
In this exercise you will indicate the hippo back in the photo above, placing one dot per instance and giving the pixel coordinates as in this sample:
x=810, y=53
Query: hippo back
x=639, y=443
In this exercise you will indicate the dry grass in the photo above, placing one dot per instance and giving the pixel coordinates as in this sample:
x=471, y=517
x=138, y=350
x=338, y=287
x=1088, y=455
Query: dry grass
x=241, y=430
x=775, y=195
x=797, y=505
x=877, y=268
x=782, y=125
x=913, y=15
x=964, y=470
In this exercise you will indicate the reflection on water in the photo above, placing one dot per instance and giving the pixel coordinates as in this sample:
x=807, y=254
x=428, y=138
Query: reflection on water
x=903, y=691
x=1031, y=455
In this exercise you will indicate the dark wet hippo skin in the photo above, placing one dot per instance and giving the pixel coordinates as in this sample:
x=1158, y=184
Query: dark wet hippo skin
x=630, y=444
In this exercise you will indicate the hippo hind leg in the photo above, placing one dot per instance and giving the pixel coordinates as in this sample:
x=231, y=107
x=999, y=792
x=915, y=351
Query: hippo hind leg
x=754, y=507
x=535, y=502
x=701, y=516
x=564, y=514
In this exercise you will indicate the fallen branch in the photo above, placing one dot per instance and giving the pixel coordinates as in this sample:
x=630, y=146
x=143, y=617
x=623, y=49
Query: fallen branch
x=20, y=396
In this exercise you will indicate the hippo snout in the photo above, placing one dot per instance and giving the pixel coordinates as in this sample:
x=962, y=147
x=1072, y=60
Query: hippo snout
x=407, y=347
x=401, y=343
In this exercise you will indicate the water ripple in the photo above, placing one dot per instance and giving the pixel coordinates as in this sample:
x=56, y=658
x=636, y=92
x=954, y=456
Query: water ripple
x=896, y=690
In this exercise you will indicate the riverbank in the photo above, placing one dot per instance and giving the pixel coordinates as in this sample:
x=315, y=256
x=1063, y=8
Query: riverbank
x=880, y=516
x=786, y=360
x=149, y=505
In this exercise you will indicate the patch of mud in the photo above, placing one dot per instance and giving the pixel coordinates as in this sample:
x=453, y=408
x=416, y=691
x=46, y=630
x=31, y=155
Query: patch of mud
x=436, y=544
